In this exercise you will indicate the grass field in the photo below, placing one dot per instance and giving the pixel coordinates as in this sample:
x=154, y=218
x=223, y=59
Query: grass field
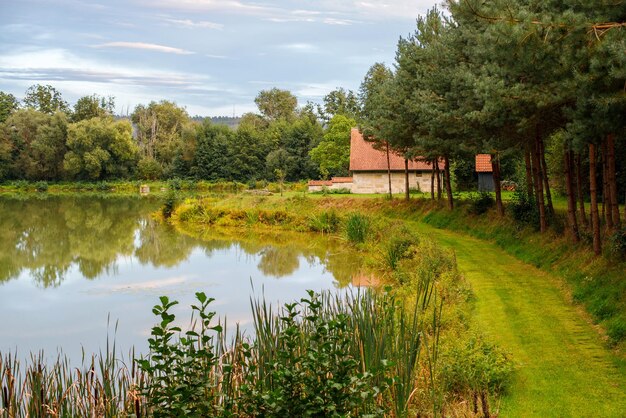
x=564, y=367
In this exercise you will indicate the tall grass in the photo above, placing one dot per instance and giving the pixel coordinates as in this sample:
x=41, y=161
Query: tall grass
x=331, y=355
x=357, y=228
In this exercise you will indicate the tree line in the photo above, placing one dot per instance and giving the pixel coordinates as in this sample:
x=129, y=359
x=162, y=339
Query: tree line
x=539, y=82
x=44, y=138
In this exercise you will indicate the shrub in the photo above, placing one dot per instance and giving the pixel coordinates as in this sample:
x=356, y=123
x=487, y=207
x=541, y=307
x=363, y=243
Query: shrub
x=175, y=184
x=312, y=371
x=357, y=228
x=170, y=204
x=149, y=169
x=103, y=186
x=325, y=222
x=617, y=243
x=481, y=203
x=476, y=367
x=41, y=186
x=398, y=249
x=179, y=371
x=524, y=209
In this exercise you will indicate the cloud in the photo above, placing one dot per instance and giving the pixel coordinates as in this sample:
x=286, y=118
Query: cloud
x=300, y=47
x=145, y=46
x=207, y=5
x=191, y=24
x=61, y=65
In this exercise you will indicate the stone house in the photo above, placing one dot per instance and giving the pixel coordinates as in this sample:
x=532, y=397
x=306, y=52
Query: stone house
x=369, y=171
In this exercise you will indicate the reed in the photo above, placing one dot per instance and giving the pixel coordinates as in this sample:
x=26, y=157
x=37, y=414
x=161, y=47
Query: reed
x=343, y=354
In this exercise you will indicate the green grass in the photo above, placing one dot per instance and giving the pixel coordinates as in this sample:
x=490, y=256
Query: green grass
x=565, y=370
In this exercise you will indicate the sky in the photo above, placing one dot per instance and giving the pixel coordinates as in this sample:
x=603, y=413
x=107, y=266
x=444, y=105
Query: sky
x=210, y=56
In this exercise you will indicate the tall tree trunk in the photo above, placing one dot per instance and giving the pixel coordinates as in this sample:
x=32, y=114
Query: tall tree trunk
x=406, y=180
x=579, y=187
x=448, y=182
x=571, y=202
x=495, y=168
x=593, y=191
x=537, y=180
x=607, y=213
x=611, y=178
x=389, y=170
x=438, y=172
x=529, y=173
x=432, y=180
x=546, y=180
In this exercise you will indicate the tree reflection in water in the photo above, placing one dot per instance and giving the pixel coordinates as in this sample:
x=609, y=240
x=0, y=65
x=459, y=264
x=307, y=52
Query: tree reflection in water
x=47, y=237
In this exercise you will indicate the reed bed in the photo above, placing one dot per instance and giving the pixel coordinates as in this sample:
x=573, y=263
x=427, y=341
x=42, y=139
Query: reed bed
x=351, y=354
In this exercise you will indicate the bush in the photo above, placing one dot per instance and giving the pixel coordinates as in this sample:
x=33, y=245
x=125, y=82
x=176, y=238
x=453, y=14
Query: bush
x=481, y=203
x=325, y=222
x=524, y=209
x=179, y=379
x=175, y=184
x=398, y=249
x=312, y=371
x=103, y=186
x=149, y=169
x=170, y=204
x=357, y=228
x=476, y=367
x=617, y=243
x=41, y=186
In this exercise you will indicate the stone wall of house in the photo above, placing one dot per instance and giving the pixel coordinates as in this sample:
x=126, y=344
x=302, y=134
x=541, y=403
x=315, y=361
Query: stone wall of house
x=333, y=186
x=378, y=182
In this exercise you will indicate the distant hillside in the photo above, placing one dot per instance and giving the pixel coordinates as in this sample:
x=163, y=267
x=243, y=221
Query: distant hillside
x=220, y=120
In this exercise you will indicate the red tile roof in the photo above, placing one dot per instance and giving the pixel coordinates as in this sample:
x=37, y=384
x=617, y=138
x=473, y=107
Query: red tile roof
x=483, y=163
x=363, y=157
x=334, y=180
x=320, y=183
x=342, y=180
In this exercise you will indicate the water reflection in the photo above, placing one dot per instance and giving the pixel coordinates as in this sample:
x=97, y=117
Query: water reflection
x=45, y=237
x=66, y=263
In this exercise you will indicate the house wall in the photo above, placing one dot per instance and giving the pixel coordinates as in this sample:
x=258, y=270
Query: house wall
x=378, y=182
x=334, y=186
x=485, y=182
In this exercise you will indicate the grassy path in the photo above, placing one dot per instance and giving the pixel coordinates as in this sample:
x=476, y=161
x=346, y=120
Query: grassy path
x=565, y=369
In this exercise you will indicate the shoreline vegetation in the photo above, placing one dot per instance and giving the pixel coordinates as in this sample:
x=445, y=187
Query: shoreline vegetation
x=386, y=353
x=456, y=369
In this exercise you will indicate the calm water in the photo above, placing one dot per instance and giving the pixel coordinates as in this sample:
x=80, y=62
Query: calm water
x=67, y=264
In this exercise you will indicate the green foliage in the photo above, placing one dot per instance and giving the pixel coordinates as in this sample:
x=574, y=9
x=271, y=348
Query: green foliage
x=481, y=203
x=45, y=99
x=617, y=244
x=357, y=228
x=524, y=209
x=333, y=152
x=8, y=105
x=327, y=222
x=474, y=365
x=276, y=104
x=149, y=169
x=398, y=249
x=179, y=379
x=100, y=148
x=171, y=200
x=339, y=102
x=41, y=186
x=311, y=369
x=93, y=106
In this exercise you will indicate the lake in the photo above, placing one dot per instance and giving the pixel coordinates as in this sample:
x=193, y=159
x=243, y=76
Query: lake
x=72, y=268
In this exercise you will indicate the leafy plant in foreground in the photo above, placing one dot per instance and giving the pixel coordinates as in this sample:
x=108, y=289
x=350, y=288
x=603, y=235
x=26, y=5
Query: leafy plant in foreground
x=179, y=371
